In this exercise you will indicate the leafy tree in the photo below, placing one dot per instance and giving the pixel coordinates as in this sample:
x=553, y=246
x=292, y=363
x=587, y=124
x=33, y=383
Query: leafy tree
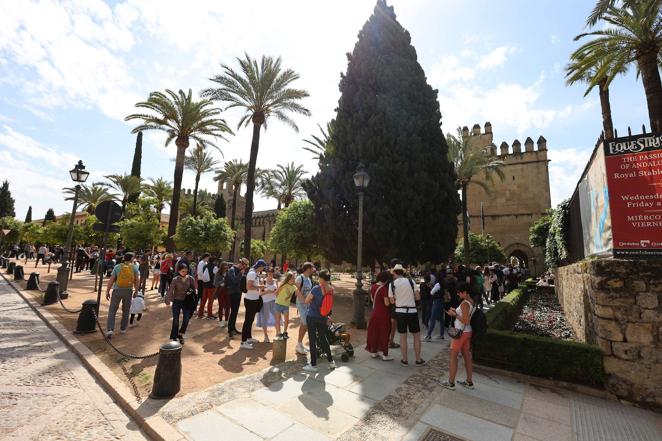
x=31, y=232
x=126, y=185
x=200, y=162
x=135, y=166
x=482, y=249
x=28, y=216
x=84, y=234
x=294, y=232
x=469, y=162
x=319, y=145
x=6, y=201
x=220, y=207
x=388, y=118
x=50, y=216
x=89, y=196
x=183, y=119
x=633, y=35
x=261, y=90
x=206, y=233
x=540, y=230
x=141, y=228
x=556, y=247
x=14, y=226
x=55, y=233
x=161, y=191
x=204, y=204
x=259, y=249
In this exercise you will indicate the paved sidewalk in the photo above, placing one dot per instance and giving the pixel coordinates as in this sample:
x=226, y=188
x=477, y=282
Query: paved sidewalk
x=45, y=392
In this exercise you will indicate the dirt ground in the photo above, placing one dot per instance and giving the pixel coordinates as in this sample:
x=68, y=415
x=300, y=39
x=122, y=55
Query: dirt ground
x=208, y=356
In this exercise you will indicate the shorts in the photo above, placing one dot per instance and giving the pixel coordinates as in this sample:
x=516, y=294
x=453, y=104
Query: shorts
x=303, y=312
x=457, y=344
x=156, y=272
x=393, y=316
x=281, y=309
x=408, y=321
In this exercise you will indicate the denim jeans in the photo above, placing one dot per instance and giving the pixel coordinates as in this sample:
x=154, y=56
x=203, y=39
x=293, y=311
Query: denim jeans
x=437, y=314
x=177, y=307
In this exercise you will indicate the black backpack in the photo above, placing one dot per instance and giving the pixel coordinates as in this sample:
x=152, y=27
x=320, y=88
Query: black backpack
x=478, y=323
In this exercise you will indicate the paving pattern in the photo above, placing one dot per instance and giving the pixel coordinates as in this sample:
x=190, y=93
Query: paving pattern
x=45, y=393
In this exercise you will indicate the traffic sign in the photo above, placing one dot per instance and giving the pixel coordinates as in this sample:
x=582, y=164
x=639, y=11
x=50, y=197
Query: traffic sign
x=102, y=227
x=108, y=212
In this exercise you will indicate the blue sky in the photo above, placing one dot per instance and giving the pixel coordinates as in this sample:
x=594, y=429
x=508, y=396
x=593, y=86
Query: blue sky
x=71, y=70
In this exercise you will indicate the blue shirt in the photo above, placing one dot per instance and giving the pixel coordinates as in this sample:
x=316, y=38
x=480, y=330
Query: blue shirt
x=315, y=306
x=305, y=285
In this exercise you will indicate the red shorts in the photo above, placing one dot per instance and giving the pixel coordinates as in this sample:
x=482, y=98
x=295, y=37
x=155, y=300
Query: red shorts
x=457, y=344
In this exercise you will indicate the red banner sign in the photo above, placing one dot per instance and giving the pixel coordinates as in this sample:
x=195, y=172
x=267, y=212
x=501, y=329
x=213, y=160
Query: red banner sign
x=634, y=178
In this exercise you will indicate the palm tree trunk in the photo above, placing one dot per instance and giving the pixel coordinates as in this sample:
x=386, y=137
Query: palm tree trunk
x=465, y=223
x=235, y=195
x=250, y=188
x=195, y=194
x=607, y=124
x=650, y=77
x=182, y=144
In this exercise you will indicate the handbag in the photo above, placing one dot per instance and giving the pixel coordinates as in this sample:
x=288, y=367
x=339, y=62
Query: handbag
x=191, y=299
x=457, y=333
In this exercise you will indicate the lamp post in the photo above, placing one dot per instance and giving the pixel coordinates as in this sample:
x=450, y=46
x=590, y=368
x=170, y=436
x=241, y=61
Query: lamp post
x=361, y=181
x=78, y=174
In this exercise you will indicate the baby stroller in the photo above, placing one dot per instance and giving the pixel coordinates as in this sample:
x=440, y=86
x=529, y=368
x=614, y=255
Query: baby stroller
x=336, y=335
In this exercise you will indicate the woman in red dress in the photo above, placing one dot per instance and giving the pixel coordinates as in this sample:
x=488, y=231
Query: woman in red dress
x=379, y=328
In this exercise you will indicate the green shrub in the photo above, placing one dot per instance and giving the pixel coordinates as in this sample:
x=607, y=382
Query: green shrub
x=505, y=312
x=541, y=356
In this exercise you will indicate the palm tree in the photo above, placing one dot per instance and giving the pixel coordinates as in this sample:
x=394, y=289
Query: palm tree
x=469, y=162
x=233, y=172
x=199, y=161
x=262, y=90
x=289, y=181
x=267, y=185
x=125, y=184
x=89, y=196
x=182, y=119
x=161, y=191
x=320, y=145
x=634, y=35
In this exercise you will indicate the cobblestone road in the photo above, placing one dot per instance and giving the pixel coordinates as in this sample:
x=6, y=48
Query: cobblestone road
x=45, y=392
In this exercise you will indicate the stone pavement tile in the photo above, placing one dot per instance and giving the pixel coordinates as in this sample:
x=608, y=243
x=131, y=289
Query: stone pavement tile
x=377, y=386
x=318, y=417
x=465, y=426
x=551, y=411
x=416, y=432
x=543, y=429
x=554, y=396
x=298, y=432
x=262, y=420
x=279, y=392
x=208, y=426
x=498, y=381
x=342, y=376
x=495, y=394
x=342, y=400
x=520, y=437
x=487, y=410
x=392, y=367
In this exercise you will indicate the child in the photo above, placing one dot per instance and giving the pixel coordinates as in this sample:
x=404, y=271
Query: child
x=282, y=306
x=137, y=307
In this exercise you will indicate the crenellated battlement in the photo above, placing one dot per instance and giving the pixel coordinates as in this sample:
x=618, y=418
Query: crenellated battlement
x=484, y=138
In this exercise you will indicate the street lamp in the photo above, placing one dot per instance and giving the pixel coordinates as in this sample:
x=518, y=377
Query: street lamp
x=78, y=174
x=361, y=181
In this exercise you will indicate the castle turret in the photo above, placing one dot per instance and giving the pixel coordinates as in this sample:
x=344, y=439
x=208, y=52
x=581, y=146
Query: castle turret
x=488, y=127
x=542, y=143
x=517, y=146
x=528, y=144
x=475, y=130
x=504, y=148
x=465, y=131
x=493, y=149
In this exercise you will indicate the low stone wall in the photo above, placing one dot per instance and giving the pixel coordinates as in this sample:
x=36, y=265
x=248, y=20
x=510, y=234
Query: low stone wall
x=617, y=304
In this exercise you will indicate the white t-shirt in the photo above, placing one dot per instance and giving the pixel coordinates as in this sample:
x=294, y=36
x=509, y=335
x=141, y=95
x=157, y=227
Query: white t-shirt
x=270, y=290
x=253, y=293
x=200, y=269
x=404, y=296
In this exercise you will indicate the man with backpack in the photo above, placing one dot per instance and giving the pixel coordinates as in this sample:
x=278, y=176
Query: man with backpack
x=403, y=294
x=124, y=280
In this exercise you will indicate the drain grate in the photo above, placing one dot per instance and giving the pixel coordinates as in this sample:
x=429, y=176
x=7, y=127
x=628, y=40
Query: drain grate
x=435, y=435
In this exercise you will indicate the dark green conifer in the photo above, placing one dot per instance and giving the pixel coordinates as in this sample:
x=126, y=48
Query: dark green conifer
x=6, y=201
x=50, y=216
x=28, y=216
x=220, y=206
x=135, y=166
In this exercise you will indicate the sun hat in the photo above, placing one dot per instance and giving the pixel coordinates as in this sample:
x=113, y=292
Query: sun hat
x=260, y=263
x=398, y=267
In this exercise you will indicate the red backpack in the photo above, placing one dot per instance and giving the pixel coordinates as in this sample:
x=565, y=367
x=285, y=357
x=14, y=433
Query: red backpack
x=327, y=302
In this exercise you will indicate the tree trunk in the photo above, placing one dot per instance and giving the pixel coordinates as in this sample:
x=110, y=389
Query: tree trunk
x=605, y=106
x=195, y=194
x=182, y=144
x=235, y=195
x=250, y=187
x=650, y=77
x=465, y=223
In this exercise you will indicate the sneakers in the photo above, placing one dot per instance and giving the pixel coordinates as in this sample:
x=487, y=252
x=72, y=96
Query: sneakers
x=211, y=317
x=332, y=365
x=122, y=331
x=467, y=384
x=447, y=384
x=441, y=337
x=393, y=346
x=222, y=324
x=300, y=349
x=285, y=336
x=246, y=345
x=310, y=368
x=427, y=338
x=404, y=362
x=109, y=334
x=252, y=340
x=420, y=362
x=386, y=357
x=374, y=354
x=181, y=339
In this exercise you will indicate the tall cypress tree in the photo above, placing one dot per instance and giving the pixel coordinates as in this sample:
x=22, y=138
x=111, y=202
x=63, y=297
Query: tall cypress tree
x=220, y=206
x=135, y=166
x=6, y=201
x=28, y=216
x=50, y=216
x=388, y=119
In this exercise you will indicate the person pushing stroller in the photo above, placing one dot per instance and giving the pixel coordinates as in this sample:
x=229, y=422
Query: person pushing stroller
x=320, y=302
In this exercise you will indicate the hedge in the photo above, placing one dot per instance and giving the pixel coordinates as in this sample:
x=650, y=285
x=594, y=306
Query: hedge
x=505, y=312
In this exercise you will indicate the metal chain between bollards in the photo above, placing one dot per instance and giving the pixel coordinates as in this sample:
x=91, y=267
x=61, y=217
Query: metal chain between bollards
x=62, y=304
x=122, y=353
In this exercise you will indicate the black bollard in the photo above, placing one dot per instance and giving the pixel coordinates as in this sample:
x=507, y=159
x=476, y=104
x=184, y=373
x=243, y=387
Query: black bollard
x=33, y=282
x=10, y=267
x=3, y=262
x=86, y=321
x=50, y=296
x=18, y=272
x=168, y=375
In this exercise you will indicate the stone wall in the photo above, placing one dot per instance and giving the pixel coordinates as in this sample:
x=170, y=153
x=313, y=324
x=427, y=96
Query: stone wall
x=617, y=304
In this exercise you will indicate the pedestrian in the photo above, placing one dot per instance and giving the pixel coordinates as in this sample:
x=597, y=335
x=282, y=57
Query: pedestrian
x=221, y=293
x=156, y=272
x=41, y=254
x=426, y=298
x=206, y=281
x=143, y=269
x=461, y=342
x=304, y=285
x=266, y=316
x=437, y=314
x=379, y=328
x=137, y=307
x=252, y=303
x=197, y=274
x=167, y=273
x=318, y=321
x=283, y=301
x=403, y=294
x=124, y=280
x=183, y=295
x=234, y=288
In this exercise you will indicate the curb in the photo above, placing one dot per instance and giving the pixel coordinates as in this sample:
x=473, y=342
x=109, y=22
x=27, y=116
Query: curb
x=145, y=415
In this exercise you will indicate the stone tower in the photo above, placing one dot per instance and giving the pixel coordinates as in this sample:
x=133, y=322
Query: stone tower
x=514, y=204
